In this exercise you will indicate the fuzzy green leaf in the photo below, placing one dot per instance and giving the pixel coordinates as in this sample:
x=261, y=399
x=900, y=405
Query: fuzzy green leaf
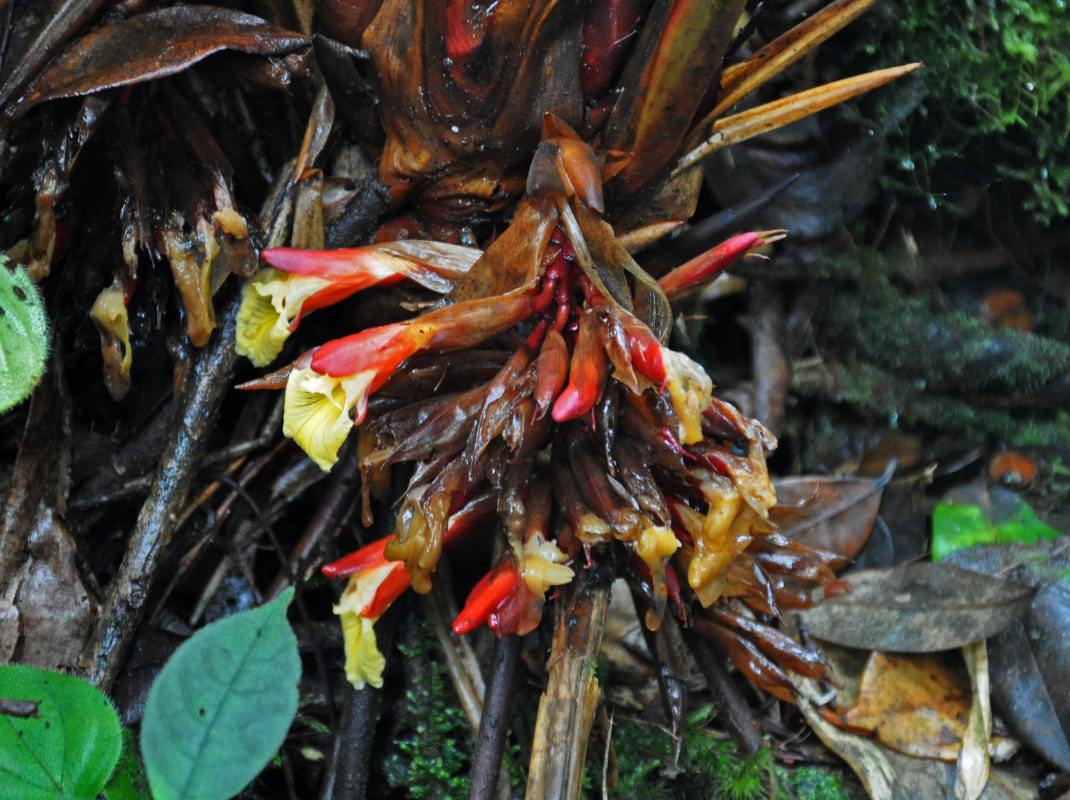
x=23, y=336
x=221, y=706
x=68, y=750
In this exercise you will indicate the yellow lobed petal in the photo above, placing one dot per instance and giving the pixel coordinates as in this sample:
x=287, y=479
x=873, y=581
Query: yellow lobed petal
x=316, y=412
x=364, y=662
x=690, y=389
x=542, y=566
x=656, y=544
x=270, y=303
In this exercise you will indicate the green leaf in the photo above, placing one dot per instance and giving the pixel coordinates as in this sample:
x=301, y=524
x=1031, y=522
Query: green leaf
x=23, y=336
x=129, y=781
x=957, y=526
x=68, y=750
x=221, y=706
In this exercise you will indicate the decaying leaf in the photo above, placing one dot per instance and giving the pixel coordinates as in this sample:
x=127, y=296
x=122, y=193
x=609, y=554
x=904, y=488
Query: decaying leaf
x=154, y=45
x=55, y=609
x=915, y=704
x=834, y=514
x=918, y=608
x=1030, y=663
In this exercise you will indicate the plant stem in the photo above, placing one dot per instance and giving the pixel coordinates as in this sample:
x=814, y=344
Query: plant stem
x=567, y=707
x=494, y=721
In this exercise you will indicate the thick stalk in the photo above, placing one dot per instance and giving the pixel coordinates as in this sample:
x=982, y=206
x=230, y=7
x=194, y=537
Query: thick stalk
x=567, y=707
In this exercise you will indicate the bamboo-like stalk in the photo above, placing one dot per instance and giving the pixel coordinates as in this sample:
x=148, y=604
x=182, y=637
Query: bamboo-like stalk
x=567, y=707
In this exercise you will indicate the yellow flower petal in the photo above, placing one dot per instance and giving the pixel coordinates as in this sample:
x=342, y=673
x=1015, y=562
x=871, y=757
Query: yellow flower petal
x=542, y=566
x=656, y=544
x=316, y=412
x=364, y=662
x=270, y=302
x=690, y=389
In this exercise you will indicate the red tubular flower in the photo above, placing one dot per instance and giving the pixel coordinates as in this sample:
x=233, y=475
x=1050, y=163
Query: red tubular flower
x=692, y=275
x=381, y=581
x=301, y=281
x=487, y=595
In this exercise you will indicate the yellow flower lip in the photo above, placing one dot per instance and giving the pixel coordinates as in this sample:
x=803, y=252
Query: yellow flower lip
x=271, y=305
x=690, y=389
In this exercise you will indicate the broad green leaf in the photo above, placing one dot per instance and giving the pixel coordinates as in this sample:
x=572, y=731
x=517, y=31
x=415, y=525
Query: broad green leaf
x=221, y=706
x=68, y=750
x=23, y=336
x=129, y=781
x=960, y=525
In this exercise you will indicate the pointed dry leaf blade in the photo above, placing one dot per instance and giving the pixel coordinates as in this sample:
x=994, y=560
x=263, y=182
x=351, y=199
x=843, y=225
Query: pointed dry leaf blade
x=971, y=770
x=155, y=45
x=918, y=608
x=740, y=127
x=741, y=79
x=61, y=23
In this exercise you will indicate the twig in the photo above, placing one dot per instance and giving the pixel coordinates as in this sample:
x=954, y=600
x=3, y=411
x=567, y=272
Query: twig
x=494, y=722
x=328, y=518
x=346, y=773
x=567, y=707
x=125, y=604
x=737, y=716
x=769, y=361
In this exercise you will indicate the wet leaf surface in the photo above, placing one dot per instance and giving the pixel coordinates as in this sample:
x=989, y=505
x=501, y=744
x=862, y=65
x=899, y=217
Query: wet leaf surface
x=154, y=45
x=918, y=608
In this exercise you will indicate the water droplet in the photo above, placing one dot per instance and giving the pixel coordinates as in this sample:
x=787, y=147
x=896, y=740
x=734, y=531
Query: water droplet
x=1029, y=86
x=906, y=164
x=454, y=128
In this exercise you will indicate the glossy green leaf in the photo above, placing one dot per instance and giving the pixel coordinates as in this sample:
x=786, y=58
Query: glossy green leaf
x=957, y=526
x=221, y=706
x=68, y=750
x=23, y=336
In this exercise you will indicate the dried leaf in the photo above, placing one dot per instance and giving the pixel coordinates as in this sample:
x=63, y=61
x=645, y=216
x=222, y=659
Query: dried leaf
x=742, y=126
x=741, y=79
x=918, y=608
x=914, y=704
x=971, y=773
x=155, y=45
x=55, y=608
x=678, y=54
x=833, y=514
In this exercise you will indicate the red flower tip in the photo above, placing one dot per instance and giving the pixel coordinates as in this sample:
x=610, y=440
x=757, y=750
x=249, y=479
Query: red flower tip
x=487, y=596
x=368, y=556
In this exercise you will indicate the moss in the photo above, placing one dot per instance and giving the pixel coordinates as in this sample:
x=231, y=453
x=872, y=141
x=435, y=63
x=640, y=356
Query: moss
x=711, y=767
x=913, y=340
x=878, y=392
x=431, y=759
x=997, y=92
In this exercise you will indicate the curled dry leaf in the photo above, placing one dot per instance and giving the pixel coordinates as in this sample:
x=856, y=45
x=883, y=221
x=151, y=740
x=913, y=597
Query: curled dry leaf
x=918, y=608
x=834, y=514
x=154, y=45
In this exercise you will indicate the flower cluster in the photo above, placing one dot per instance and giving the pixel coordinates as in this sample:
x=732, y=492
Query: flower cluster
x=541, y=401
